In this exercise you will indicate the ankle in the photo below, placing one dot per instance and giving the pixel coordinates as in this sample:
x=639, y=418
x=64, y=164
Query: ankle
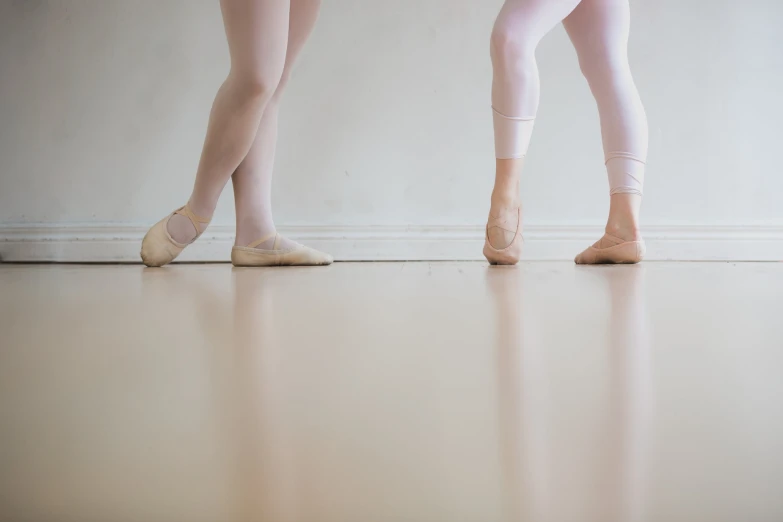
x=201, y=209
x=248, y=232
x=623, y=229
x=505, y=199
x=623, y=219
x=505, y=192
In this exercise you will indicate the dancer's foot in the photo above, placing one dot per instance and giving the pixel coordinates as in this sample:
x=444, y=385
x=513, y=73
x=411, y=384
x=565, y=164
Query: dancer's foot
x=161, y=247
x=503, y=242
x=183, y=230
x=622, y=243
x=275, y=250
x=612, y=250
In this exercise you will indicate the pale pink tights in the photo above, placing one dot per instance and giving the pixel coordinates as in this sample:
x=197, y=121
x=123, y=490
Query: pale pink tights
x=599, y=31
x=264, y=39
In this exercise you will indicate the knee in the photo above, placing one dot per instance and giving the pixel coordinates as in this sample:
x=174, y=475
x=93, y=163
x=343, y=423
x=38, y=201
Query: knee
x=281, y=85
x=604, y=70
x=512, y=50
x=255, y=85
x=284, y=78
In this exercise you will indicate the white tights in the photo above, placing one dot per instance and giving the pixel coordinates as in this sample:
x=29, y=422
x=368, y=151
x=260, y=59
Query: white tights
x=264, y=38
x=599, y=31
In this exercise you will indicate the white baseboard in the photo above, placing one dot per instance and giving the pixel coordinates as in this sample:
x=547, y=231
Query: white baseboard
x=120, y=244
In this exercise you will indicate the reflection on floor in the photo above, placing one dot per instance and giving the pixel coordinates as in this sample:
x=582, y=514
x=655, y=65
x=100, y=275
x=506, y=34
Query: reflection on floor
x=392, y=392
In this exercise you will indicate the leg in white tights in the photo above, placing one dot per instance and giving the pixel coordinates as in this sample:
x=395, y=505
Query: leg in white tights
x=264, y=37
x=253, y=178
x=257, y=32
x=519, y=28
x=599, y=31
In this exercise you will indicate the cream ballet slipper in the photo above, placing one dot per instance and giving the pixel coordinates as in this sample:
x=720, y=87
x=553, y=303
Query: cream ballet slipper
x=292, y=254
x=158, y=247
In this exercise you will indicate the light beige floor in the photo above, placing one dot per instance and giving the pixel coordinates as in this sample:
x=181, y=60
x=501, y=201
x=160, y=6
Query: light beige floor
x=392, y=392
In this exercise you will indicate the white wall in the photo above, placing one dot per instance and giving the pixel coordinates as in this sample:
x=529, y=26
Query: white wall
x=386, y=125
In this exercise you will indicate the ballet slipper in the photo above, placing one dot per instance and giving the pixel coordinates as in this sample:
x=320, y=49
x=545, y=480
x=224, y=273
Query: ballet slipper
x=513, y=252
x=612, y=250
x=158, y=247
x=297, y=255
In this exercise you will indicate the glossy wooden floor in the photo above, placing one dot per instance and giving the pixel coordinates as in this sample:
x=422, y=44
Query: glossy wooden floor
x=392, y=392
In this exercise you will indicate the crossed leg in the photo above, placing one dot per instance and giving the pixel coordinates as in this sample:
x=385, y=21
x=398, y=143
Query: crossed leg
x=252, y=180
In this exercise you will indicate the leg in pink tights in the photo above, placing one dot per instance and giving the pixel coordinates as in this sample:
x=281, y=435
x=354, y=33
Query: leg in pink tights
x=599, y=30
x=253, y=179
x=519, y=28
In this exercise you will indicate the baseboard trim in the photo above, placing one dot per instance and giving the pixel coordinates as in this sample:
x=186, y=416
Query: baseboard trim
x=120, y=244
